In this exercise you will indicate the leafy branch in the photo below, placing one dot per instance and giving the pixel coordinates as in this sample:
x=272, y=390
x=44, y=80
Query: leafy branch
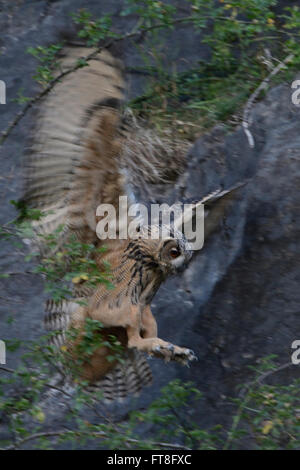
x=265, y=414
x=84, y=61
x=68, y=434
x=229, y=29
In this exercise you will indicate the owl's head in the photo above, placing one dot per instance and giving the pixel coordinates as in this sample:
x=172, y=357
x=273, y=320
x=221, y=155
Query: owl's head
x=169, y=248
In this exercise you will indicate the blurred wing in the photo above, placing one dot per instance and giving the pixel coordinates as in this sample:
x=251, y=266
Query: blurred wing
x=73, y=163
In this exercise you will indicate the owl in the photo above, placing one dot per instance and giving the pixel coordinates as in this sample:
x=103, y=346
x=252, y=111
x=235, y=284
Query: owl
x=87, y=151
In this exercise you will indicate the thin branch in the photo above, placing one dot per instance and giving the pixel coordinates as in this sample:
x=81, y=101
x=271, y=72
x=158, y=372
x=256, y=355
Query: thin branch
x=18, y=273
x=262, y=377
x=100, y=434
x=48, y=385
x=248, y=387
x=132, y=34
x=78, y=65
x=6, y=369
x=264, y=84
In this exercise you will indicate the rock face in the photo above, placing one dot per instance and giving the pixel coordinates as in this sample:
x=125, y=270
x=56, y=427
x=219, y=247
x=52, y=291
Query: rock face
x=239, y=299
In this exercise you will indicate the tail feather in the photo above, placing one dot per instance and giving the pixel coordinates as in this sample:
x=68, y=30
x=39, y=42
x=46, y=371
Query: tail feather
x=125, y=379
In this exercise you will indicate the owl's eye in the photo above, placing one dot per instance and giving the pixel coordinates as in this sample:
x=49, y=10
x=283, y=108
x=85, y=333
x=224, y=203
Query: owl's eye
x=174, y=252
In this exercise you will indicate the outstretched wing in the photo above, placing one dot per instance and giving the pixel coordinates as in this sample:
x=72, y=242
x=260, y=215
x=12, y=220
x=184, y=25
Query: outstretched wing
x=73, y=163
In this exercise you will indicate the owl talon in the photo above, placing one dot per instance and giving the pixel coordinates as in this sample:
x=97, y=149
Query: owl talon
x=192, y=355
x=171, y=352
x=185, y=357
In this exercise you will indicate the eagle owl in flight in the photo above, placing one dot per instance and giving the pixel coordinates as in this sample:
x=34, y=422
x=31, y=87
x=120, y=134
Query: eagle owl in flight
x=84, y=154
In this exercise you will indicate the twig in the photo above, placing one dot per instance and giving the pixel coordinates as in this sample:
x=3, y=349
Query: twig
x=271, y=372
x=78, y=65
x=6, y=369
x=17, y=273
x=248, y=387
x=92, y=434
x=264, y=84
x=100, y=434
x=48, y=385
x=89, y=57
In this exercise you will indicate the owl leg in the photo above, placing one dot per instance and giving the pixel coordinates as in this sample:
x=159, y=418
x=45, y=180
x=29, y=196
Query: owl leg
x=149, y=325
x=153, y=345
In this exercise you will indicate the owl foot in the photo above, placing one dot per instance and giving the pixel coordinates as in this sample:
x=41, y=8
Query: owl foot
x=162, y=349
x=170, y=352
